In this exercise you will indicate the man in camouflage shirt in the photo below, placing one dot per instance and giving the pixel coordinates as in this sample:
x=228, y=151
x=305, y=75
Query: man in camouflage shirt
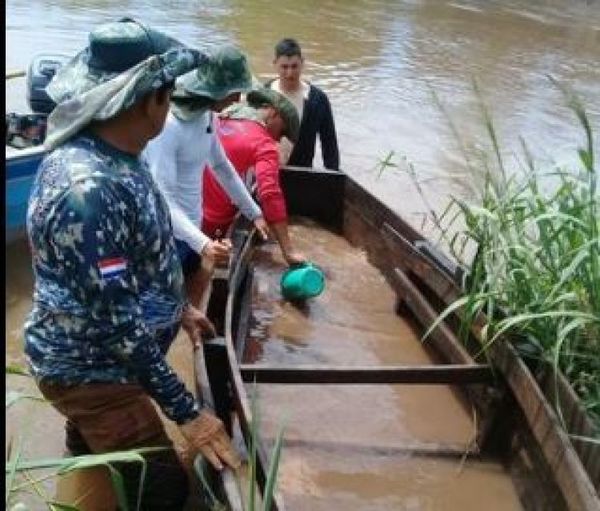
x=108, y=295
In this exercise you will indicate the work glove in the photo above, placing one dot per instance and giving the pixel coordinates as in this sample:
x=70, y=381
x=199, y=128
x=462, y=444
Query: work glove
x=206, y=433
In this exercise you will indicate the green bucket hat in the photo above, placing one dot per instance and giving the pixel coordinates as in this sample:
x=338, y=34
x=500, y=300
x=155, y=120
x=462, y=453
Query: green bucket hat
x=226, y=72
x=263, y=96
x=123, y=62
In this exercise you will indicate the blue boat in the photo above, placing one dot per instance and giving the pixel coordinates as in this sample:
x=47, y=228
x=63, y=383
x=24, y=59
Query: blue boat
x=24, y=137
x=21, y=166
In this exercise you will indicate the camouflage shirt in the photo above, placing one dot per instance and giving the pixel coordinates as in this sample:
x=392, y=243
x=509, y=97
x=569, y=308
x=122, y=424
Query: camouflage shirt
x=108, y=290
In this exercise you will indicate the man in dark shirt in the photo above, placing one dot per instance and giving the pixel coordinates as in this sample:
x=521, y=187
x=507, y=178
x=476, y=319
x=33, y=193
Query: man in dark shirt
x=313, y=108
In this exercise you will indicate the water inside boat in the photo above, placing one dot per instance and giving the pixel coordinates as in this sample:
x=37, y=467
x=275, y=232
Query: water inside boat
x=359, y=446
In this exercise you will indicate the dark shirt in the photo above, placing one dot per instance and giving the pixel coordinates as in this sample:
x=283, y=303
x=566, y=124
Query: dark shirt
x=108, y=291
x=317, y=118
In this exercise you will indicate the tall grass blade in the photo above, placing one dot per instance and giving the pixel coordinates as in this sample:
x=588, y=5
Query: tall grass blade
x=69, y=464
x=17, y=369
x=458, y=304
x=59, y=506
x=118, y=485
x=489, y=124
x=199, y=467
x=85, y=461
x=595, y=441
x=509, y=323
x=11, y=468
x=253, y=448
x=270, y=486
x=107, y=459
x=13, y=396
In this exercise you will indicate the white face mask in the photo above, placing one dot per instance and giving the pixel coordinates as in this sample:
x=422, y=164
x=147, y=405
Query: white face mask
x=185, y=113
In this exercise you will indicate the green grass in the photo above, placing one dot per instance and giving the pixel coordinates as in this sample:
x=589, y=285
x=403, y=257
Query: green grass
x=20, y=480
x=536, y=269
x=62, y=466
x=16, y=466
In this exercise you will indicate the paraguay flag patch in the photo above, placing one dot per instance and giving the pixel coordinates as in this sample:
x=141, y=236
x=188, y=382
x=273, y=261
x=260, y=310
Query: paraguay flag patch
x=112, y=268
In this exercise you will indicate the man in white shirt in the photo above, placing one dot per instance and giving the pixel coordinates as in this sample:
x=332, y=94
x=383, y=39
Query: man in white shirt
x=178, y=157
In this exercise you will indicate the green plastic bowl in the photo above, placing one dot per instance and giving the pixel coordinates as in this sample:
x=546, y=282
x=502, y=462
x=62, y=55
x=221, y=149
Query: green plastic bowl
x=302, y=282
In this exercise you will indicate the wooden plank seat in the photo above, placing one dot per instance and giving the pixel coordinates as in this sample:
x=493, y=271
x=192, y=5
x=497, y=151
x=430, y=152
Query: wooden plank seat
x=453, y=374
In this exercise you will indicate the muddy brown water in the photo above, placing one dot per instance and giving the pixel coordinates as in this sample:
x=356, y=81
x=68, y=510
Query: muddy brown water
x=376, y=59
x=360, y=447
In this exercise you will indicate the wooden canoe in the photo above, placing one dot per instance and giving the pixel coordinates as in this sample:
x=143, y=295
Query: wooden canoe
x=519, y=424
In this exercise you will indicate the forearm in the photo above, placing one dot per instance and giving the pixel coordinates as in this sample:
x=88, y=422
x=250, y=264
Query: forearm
x=270, y=194
x=185, y=230
x=281, y=233
x=139, y=352
x=331, y=155
x=329, y=144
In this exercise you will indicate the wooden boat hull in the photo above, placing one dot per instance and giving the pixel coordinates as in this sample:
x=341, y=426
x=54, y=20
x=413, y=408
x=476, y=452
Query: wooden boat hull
x=519, y=425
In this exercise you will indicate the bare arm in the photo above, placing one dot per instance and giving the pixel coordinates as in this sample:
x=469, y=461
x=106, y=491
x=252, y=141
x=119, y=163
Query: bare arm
x=281, y=233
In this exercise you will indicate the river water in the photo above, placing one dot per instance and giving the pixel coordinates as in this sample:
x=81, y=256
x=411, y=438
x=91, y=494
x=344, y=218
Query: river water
x=379, y=61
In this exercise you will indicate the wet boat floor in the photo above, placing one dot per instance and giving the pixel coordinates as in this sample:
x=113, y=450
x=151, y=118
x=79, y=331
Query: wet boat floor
x=359, y=447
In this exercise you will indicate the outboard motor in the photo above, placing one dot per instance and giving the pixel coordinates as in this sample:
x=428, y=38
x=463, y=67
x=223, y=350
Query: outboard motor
x=41, y=70
x=26, y=130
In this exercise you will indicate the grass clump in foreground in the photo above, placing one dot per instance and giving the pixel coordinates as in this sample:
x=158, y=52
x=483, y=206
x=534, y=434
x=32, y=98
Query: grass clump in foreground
x=22, y=485
x=25, y=478
x=536, y=270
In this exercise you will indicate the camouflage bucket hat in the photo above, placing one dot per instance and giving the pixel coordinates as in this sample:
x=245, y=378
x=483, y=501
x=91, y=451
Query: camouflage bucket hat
x=123, y=62
x=263, y=96
x=226, y=72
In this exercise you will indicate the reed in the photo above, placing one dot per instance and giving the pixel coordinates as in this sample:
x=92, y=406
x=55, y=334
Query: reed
x=273, y=470
x=57, y=467
x=21, y=483
x=535, y=274
x=254, y=502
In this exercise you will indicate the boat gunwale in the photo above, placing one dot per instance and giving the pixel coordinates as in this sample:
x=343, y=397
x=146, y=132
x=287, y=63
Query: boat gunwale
x=240, y=397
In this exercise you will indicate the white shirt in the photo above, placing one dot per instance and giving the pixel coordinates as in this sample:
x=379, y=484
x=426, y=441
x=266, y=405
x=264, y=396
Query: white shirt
x=297, y=98
x=177, y=159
